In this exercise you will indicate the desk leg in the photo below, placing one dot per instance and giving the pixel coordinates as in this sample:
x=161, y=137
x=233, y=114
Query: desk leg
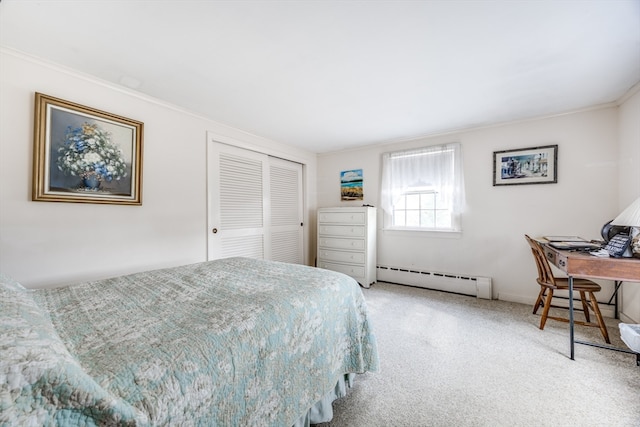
x=572, y=341
x=614, y=297
x=571, y=324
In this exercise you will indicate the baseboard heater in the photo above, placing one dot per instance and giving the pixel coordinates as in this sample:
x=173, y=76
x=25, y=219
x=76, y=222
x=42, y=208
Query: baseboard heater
x=460, y=284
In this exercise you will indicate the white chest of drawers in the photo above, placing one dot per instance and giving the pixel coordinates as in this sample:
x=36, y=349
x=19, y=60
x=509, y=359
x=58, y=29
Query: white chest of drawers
x=347, y=242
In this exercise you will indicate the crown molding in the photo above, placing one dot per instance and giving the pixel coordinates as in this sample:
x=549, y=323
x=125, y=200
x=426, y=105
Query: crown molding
x=628, y=94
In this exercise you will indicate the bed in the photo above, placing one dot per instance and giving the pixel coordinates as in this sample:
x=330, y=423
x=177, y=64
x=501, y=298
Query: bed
x=231, y=342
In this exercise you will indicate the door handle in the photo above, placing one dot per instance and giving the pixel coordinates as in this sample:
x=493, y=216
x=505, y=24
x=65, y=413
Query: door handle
x=214, y=231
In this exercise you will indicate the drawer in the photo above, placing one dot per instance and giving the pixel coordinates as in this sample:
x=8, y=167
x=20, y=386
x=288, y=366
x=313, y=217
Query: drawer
x=555, y=258
x=342, y=230
x=342, y=217
x=341, y=256
x=351, y=270
x=551, y=255
x=333, y=242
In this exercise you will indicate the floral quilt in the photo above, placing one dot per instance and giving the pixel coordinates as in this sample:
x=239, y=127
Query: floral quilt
x=232, y=342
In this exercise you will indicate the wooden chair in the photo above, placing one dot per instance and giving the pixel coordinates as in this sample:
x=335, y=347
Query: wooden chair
x=550, y=283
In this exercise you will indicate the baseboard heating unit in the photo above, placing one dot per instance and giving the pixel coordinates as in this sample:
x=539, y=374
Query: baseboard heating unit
x=460, y=284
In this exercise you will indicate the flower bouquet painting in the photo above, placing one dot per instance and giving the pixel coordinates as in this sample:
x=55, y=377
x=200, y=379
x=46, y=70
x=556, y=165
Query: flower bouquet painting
x=85, y=155
x=89, y=154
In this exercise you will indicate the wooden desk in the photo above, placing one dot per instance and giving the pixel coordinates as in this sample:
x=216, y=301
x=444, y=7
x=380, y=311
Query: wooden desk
x=580, y=265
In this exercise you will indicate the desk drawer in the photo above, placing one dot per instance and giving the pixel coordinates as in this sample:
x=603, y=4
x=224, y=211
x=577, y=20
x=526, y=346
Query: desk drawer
x=342, y=230
x=551, y=255
x=335, y=243
x=342, y=217
x=555, y=258
x=342, y=256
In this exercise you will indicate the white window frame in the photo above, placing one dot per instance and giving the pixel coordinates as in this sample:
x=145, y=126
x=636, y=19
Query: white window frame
x=427, y=170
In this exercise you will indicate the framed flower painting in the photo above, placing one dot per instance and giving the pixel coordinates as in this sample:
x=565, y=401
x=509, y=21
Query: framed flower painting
x=84, y=155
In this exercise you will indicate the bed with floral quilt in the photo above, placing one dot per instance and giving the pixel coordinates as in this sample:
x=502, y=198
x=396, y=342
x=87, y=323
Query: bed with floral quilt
x=231, y=342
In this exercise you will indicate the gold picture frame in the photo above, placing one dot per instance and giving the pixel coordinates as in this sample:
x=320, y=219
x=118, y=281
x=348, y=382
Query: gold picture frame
x=84, y=155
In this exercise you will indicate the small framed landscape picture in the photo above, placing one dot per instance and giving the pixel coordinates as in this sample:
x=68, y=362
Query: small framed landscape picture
x=84, y=155
x=535, y=165
x=351, y=185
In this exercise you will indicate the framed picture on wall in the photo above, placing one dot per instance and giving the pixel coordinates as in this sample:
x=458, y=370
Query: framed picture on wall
x=535, y=165
x=351, y=185
x=84, y=155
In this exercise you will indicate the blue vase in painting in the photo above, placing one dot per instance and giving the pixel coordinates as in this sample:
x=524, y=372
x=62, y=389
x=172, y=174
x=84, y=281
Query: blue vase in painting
x=91, y=182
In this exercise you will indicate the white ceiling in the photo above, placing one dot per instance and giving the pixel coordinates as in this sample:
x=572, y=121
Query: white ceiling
x=328, y=75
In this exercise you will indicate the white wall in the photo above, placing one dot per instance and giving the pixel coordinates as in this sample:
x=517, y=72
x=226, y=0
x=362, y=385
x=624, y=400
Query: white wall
x=48, y=243
x=629, y=136
x=496, y=218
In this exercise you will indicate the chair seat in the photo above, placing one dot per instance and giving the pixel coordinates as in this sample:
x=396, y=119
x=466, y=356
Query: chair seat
x=562, y=283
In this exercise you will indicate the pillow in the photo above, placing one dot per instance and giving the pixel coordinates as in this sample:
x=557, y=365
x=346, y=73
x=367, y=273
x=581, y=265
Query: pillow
x=41, y=383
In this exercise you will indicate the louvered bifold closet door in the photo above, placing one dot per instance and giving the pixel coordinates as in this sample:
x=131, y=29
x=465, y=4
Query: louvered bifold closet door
x=238, y=181
x=254, y=205
x=286, y=211
x=241, y=206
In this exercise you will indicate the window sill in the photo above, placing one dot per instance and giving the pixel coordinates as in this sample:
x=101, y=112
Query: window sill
x=420, y=232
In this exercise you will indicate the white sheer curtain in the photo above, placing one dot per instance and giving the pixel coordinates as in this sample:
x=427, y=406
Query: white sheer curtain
x=437, y=167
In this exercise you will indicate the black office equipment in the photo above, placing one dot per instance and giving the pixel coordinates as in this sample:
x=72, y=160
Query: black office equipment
x=618, y=244
x=609, y=231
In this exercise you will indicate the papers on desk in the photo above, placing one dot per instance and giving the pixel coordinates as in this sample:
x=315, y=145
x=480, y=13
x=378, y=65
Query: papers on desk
x=574, y=246
x=565, y=239
x=602, y=253
x=572, y=243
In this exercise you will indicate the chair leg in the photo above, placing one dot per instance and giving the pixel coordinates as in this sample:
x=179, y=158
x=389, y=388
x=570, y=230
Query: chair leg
x=538, y=303
x=585, y=307
x=547, y=306
x=596, y=311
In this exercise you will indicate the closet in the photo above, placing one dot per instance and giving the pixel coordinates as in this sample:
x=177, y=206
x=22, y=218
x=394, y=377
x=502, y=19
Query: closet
x=254, y=205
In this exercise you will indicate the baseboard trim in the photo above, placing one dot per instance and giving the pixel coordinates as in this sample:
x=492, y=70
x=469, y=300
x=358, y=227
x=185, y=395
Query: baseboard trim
x=626, y=319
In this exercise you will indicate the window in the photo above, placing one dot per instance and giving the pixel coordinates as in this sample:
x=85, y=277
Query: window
x=422, y=189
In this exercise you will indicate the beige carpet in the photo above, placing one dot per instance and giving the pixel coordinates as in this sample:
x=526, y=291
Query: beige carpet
x=452, y=360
